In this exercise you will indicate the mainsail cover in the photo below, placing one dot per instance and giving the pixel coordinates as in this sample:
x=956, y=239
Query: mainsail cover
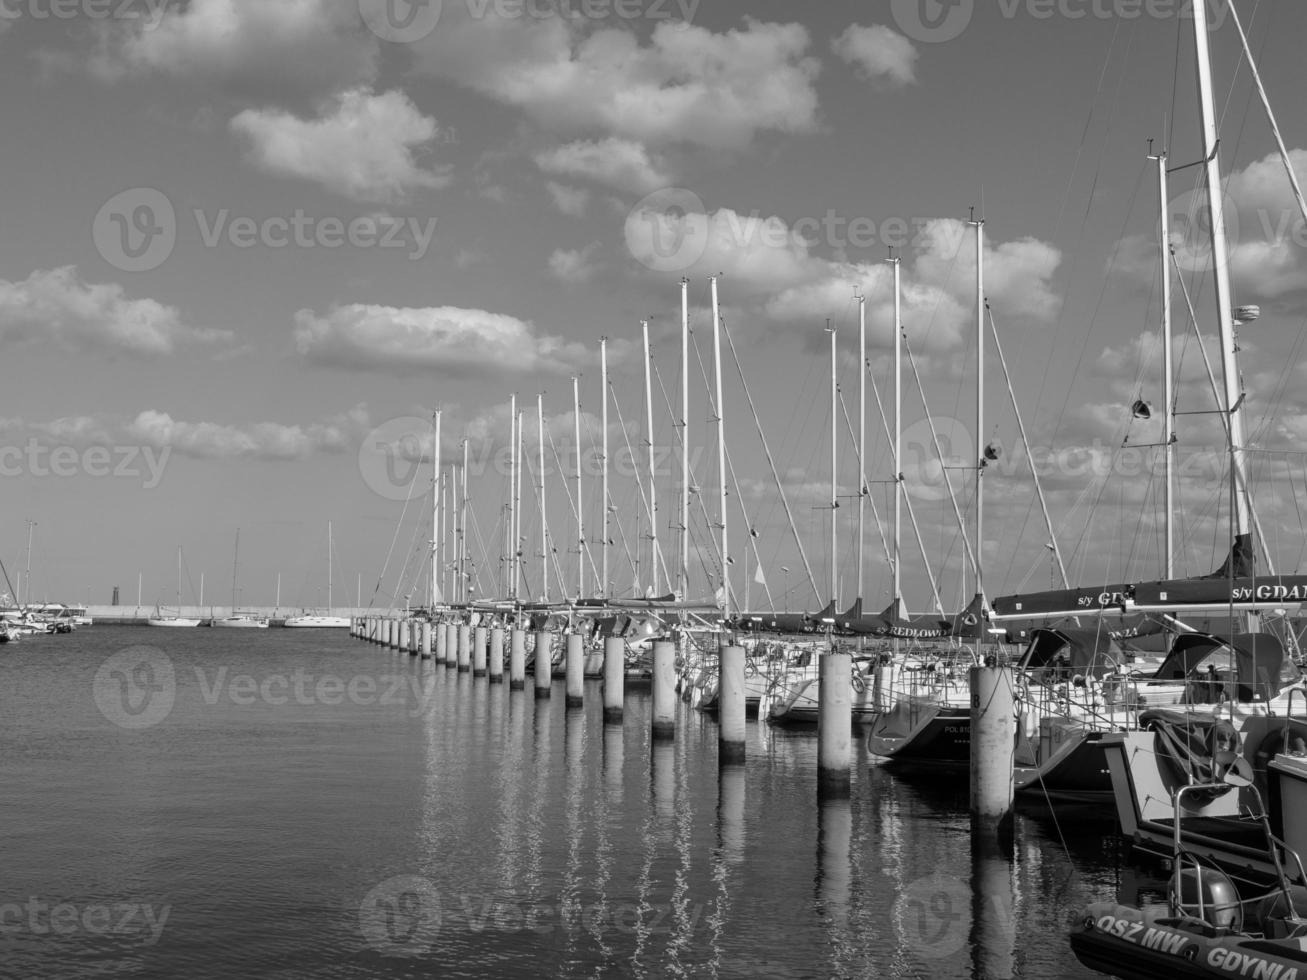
x=1062, y=602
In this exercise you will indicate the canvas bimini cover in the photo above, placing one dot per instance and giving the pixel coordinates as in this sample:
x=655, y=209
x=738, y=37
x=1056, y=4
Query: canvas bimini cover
x=1062, y=654
x=1252, y=667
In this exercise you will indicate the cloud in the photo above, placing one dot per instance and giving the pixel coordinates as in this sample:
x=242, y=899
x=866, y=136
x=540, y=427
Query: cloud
x=305, y=45
x=687, y=85
x=362, y=146
x=445, y=340
x=574, y=266
x=570, y=200
x=259, y=440
x=624, y=165
x=57, y=305
x=877, y=53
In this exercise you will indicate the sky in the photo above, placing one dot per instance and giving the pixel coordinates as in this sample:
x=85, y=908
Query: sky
x=248, y=248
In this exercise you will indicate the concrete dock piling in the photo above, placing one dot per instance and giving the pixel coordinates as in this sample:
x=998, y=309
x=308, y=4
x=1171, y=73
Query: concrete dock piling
x=614, y=678
x=575, y=670
x=479, y=640
x=993, y=741
x=495, y=658
x=517, y=660
x=730, y=705
x=664, y=689
x=544, y=667
x=834, y=724
x=426, y=640
x=464, y=648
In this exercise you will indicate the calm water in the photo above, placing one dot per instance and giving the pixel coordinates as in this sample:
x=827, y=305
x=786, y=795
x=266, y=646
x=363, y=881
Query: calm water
x=300, y=804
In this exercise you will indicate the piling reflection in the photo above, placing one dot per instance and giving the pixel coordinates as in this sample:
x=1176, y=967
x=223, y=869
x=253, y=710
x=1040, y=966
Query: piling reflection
x=574, y=779
x=834, y=879
x=993, y=899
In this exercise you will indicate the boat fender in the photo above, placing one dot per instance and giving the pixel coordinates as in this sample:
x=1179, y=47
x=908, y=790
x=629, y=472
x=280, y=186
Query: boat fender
x=859, y=682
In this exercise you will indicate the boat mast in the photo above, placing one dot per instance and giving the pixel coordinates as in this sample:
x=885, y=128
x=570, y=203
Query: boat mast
x=517, y=503
x=540, y=486
x=649, y=437
x=683, y=574
x=580, y=522
x=721, y=448
x=512, y=502
x=834, y=474
x=435, y=516
x=328, y=568
x=603, y=423
x=979, y=224
x=463, y=574
x=898, y=431
x=235, y=558
x=862, y=435
x=1168, y=394
x=1221, y=268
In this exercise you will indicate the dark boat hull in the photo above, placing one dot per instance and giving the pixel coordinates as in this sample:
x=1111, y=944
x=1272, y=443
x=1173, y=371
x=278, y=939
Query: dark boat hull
x=923, y=734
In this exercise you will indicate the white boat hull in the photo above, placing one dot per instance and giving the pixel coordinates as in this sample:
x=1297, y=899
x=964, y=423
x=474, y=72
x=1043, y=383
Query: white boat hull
x=240, y=623
x=317, y=622
x=173, y=621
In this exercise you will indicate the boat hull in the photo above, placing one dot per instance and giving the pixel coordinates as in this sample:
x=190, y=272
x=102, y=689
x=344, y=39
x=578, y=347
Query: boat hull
x=173, y=622
x=317, y=622
x=240, y=623
x=922, y=733
x=1077, y=773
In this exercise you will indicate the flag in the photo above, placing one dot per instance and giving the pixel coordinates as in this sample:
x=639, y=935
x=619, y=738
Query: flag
x=758, y=576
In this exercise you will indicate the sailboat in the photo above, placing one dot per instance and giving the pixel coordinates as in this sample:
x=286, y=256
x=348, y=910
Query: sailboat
x=239, y=620
x=321, y=620
x=160, y=618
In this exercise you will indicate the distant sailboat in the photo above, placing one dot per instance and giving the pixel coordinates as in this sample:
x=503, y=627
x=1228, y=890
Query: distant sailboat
x=239, y=620
x=320, y=620
x=160, y=618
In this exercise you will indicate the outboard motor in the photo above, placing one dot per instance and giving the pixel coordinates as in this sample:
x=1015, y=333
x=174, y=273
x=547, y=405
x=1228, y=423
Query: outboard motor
x=1210, y=895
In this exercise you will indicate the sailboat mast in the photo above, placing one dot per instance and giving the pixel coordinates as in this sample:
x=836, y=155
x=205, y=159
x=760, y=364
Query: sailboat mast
x=898, y=428
x=435, y=516
x=235, y=558
x=540, y=486
x=603, y=423
x=649, y=437
x=683, y=573
x=862, y=436
x=1221, y=268
x=517, y=502
x=512, y=498
x=1168, y=394
x=580, y=521
x=979, y=224
x=834, y=470
x=328, y=567
x=721, y=448
x=463, y=573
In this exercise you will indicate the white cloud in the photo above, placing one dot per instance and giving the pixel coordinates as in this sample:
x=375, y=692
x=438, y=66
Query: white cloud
x=362, y=146
x=877, y=53
x=57, y=305
x=687, y=85
x=574, y=266
x=259, y=440
x=445, y=340
x=570, y=200
x=306, y=45
x=624, y=165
